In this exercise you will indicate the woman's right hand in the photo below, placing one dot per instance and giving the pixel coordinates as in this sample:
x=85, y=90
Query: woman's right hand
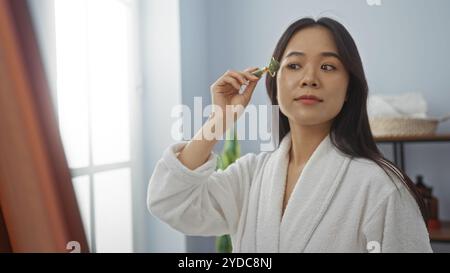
x=225, y=91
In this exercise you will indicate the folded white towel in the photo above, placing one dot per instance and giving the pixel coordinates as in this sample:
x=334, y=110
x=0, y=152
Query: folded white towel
x=411, y=105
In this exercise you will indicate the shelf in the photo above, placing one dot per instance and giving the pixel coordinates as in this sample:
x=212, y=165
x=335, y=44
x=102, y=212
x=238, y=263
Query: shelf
x=442, y=234
x=398, y=143
x=423, y=138
x=436, y=235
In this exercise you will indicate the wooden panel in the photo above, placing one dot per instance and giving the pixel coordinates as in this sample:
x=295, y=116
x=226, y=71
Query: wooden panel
x=36, y=192
x=424, y=138
x=5, y=245
x=442, y=234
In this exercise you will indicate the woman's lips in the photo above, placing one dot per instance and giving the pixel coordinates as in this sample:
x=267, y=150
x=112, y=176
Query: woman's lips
x=309, y=100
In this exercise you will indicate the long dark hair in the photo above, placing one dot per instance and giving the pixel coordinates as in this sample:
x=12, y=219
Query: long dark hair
x=350, y=131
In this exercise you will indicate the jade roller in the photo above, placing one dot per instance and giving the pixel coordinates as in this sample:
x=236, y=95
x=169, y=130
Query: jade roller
x=272, y=69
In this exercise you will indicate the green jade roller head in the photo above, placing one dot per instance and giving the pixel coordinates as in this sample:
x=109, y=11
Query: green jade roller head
x=271, y=69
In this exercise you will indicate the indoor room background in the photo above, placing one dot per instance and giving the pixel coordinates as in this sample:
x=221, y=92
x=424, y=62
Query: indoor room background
x=117, y=68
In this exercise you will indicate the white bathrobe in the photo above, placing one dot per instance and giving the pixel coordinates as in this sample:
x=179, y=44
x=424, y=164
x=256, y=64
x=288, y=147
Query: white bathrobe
x=339, y=204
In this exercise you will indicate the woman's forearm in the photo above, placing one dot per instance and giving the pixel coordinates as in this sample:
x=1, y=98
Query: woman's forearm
x=198, y=150
x=229, y=103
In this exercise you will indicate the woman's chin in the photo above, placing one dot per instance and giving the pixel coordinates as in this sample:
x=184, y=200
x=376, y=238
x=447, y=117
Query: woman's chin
x=309, y=120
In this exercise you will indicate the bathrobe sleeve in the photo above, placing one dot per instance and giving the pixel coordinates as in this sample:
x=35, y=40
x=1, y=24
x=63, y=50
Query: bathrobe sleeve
x=397, y=225
x=202, y=202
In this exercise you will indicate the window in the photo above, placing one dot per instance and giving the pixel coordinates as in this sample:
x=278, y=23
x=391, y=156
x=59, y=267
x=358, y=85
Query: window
x=95, y=89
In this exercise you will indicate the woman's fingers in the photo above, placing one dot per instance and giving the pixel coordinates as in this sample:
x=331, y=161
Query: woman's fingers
x=251, y=69
x=237, y=75
x=232, y=81
x=249, y=72
x=245, y=76
x=237, y=79
x=248, y=75
x=248, y=92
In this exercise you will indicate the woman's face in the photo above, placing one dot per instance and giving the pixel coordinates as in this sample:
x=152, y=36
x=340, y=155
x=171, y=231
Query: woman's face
x=311, y=66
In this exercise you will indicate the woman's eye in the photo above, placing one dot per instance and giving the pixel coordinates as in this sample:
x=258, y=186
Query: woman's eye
x=328, y=67
x=294, y=66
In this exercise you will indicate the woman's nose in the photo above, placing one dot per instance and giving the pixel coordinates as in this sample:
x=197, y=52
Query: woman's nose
x=309, y=79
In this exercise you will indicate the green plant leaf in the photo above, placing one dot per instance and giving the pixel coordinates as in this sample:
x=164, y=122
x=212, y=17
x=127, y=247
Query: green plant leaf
x=231, y=152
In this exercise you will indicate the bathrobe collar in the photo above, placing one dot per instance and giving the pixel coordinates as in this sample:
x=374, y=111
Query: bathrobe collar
x=308, y=202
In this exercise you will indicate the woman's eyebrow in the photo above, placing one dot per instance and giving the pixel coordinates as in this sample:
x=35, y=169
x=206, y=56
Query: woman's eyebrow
x=324, y=54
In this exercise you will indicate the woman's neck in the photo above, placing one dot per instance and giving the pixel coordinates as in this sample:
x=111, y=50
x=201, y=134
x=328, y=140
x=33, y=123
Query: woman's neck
x=305, y=140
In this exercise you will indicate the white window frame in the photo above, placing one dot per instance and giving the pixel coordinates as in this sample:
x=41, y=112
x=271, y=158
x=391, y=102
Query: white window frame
x=135, y=164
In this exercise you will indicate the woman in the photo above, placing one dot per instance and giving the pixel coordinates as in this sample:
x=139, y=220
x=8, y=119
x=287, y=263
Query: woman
x=326, y=188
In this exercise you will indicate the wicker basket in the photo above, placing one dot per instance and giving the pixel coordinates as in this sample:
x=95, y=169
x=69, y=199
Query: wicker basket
x=383, y=126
